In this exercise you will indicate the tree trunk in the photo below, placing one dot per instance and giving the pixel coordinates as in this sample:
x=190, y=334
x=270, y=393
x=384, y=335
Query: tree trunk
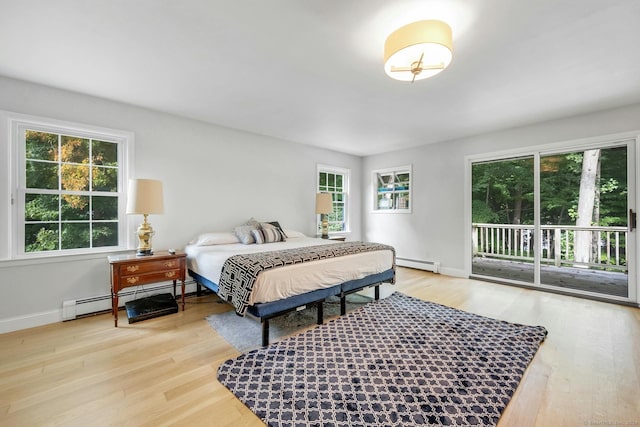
x=517, y=205
x=486, y=197
x=595, y=236
x=586, y=201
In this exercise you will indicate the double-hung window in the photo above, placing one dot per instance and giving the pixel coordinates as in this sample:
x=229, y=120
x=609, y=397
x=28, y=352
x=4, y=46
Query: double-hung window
x=335, y=181
x=67, y=191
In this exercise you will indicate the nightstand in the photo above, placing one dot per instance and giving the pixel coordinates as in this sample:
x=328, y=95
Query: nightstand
x=131, y=270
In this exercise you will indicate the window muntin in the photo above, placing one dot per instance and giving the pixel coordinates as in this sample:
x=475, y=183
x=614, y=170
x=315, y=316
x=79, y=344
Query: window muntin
x=335, y=181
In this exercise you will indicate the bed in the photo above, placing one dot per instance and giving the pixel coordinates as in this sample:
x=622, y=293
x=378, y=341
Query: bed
x=305, y=276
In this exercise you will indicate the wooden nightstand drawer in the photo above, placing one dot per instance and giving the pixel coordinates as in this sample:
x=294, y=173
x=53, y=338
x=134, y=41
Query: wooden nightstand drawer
x=144, y=267
x=153, y=277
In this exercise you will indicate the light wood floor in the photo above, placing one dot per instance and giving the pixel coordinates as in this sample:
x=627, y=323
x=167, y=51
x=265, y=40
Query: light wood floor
x=163, y=371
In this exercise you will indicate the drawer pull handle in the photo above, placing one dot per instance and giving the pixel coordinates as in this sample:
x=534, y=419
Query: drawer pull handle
x=132, y=268
x=170, y=264
x=133, y=280
x=170, y=274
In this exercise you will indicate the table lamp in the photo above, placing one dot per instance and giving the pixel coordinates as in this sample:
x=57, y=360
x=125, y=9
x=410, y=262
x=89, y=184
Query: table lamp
x=324, y=206
x=145, y=197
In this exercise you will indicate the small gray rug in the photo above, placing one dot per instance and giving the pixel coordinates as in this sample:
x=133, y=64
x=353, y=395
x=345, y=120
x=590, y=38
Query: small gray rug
x=245, y=333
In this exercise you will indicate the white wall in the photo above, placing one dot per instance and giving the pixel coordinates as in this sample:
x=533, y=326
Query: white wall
x=214, y=179
x=435, y=230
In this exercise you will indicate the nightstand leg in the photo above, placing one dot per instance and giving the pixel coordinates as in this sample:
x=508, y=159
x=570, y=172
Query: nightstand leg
x=182, y=295
x=114, y=308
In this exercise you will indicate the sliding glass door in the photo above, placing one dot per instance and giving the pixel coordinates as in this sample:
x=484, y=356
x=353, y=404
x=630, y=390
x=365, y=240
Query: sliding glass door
x=559, y=220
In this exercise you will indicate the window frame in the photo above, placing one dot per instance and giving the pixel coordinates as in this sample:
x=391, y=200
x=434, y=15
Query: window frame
x=17, y=124
x=346, y=180
x=375, y=175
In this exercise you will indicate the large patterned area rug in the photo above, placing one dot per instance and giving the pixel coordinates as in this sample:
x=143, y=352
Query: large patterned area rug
x=399, y=361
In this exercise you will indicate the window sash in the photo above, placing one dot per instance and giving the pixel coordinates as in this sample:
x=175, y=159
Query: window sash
x=335, y=181
x=101, y=223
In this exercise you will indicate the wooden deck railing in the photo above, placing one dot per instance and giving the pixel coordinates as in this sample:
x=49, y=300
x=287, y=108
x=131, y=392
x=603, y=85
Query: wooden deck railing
x=512, y=241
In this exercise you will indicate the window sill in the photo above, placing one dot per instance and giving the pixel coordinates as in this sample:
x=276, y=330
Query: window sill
x=336, y=235
x=58, y=258
x=391, y=211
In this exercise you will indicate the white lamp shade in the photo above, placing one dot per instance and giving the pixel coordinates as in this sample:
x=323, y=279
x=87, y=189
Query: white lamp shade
x=426, y=45
x=324, y=203
x=145, y=197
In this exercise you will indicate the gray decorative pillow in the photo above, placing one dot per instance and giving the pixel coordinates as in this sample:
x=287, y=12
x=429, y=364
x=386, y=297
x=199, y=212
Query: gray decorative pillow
x=258, y=236
x=254, y=222
x=271, y=234
x=276, y=224
x=244, y=234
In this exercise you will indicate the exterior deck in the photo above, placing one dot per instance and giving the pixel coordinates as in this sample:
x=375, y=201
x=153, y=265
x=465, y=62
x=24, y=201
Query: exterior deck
x=583, y=279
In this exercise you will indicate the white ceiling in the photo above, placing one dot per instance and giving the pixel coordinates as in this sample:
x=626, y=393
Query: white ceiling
x=310, y=71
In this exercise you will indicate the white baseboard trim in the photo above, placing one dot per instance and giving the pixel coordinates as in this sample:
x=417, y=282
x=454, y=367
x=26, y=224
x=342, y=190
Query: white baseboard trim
x=419, y=264
x=84, y=306
x=455, y=272
x=30, y=321
x=433, y=266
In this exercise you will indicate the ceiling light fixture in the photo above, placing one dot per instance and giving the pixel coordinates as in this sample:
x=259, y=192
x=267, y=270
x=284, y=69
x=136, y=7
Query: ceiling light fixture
x=418, y=50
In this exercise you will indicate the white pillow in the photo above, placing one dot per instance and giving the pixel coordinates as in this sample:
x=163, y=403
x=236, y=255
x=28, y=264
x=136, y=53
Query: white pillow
x=293, y=233
x=220, y=238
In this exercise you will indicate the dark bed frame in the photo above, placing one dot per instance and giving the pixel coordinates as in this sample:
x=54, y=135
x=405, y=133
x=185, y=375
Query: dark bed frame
x=269, y=310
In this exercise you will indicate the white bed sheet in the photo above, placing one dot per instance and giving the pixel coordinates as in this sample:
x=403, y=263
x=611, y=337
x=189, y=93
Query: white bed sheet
x=296, y=279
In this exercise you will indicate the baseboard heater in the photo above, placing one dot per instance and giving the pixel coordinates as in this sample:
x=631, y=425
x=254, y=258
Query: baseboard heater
x=433, y=266
x=73, y=309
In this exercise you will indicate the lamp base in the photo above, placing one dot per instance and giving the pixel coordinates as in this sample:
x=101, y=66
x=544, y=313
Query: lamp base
x=325, y=226
x=144, y=233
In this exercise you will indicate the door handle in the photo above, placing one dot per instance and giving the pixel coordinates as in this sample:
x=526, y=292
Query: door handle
x=632, y=220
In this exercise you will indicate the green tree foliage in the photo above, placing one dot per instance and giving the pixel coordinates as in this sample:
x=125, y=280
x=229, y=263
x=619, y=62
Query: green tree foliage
x=559, y=188
x=613, y=187
x=498, y=187
x=502, y=192
x=85, y=173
